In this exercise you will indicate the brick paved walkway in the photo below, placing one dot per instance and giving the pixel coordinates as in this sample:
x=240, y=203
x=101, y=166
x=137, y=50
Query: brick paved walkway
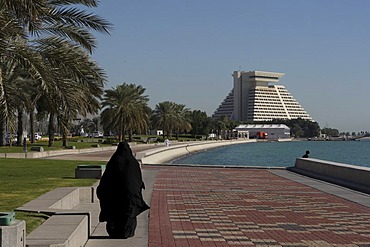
x=249, y=207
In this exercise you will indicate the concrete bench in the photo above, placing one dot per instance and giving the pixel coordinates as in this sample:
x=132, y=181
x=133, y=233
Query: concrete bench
x=89, y=171
x=37, y=149
x=61, y=231
x=70, y=147
x=95, y=145
x=66, y=227
x=350, y=176
x=59, y=200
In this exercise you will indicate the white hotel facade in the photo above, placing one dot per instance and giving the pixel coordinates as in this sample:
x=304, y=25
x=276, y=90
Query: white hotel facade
x=254, y=97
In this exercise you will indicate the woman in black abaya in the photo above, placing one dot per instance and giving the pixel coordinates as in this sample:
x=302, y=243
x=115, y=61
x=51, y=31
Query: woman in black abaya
x=120, y=193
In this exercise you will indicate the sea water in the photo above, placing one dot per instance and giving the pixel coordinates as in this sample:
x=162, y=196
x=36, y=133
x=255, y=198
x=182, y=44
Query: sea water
x=282, y=154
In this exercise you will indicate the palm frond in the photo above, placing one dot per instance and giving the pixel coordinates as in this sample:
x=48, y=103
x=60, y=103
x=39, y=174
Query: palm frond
x=78, y=18
x=88, y=3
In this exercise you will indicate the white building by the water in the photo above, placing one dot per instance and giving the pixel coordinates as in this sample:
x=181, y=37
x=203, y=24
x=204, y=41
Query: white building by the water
x=274, y=131
x=255, y=98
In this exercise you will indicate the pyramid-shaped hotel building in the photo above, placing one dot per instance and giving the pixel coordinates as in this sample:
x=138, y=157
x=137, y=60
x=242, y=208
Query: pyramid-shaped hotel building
x=255, y=98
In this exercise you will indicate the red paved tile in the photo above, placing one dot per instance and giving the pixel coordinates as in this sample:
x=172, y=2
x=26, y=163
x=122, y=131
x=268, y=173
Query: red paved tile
x=249, y=207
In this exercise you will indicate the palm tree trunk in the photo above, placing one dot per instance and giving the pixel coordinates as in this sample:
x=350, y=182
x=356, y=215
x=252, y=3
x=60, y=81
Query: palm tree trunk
x=169, y=133
x=120, y=133
x=130, y=135
x=123, y=133
x=20, y=127
x=64, y=129
x=64, y=135
x=32, y=126
x=51, y=129
x=2, y=122
x=2, y=132
x=64, y=138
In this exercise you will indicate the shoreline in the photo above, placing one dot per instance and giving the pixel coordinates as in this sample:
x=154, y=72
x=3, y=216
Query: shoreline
x=274, y=154
x=164, y=155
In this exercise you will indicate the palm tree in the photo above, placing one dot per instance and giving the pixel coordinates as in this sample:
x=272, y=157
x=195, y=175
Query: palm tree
x=222, y=125
x=52, y=40
x=125, y=109
x=183, y=117
x=14, y=99
x=162, y=117
x=15, y=55
x=171, y=116
x=8, y=104
x=77, y=94
x=58, y=18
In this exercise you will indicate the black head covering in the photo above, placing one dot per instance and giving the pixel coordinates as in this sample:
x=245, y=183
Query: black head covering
x=124, y=149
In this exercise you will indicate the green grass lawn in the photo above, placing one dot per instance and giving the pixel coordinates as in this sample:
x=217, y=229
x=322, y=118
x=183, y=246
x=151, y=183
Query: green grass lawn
x=22, y=180
x=80, y=143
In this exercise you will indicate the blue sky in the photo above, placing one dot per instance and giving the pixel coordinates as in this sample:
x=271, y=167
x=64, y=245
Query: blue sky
x=185, y=51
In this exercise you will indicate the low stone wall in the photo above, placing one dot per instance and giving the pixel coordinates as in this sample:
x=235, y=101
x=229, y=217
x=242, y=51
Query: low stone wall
x=65, y=227
x=350, y=176
x=55, y=153
x=165, y=154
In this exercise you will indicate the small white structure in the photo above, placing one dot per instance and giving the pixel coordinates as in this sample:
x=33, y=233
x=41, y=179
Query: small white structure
x=240, y=134
x=156, y=132
x=212, y=136
x=159, y=132
x=274, y=131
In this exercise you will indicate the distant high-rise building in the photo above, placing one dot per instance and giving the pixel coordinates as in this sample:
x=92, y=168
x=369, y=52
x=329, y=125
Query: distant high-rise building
x=254, y=98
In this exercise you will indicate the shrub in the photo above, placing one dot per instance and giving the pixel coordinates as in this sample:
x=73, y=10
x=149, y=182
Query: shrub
x=110, y=140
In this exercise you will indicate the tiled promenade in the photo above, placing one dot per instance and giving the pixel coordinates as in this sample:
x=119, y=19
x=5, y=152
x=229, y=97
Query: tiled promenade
x=193, y=206
x=252, y=207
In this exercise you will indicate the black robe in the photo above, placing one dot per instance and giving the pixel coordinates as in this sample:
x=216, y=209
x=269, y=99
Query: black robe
x=120, y=193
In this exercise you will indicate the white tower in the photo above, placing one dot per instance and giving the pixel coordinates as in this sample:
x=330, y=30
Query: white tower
x=256, y=99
